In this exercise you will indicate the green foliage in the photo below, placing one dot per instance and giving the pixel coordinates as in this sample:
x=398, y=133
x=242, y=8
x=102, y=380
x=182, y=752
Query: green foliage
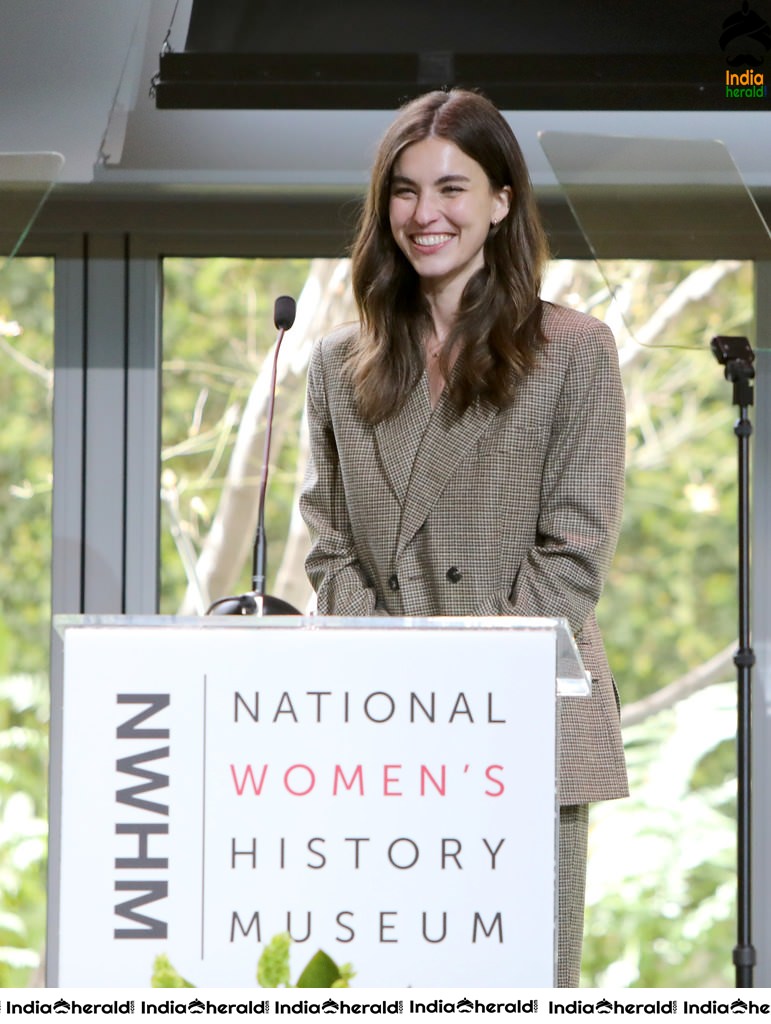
x=662, y=864
x=273, y=965
x=272, y=969
x=23, y=829
x=323, y=972
x=670, y=599
x=165, y=975
x=662, y=876
x=26, y=388
x=26, y=392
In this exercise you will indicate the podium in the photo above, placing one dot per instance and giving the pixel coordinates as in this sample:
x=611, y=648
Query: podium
x=382, y=789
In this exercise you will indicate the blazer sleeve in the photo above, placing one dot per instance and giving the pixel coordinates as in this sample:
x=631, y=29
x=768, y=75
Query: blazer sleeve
x=582, y=489
x=332, y=565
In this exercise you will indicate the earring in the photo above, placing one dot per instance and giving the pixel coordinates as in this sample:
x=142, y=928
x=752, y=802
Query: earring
x=493, y=223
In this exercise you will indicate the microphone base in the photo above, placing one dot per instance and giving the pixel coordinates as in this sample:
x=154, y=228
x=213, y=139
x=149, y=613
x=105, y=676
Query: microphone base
x=252, y=604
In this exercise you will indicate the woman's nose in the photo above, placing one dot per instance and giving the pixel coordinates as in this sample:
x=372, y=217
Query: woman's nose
x=425, y=208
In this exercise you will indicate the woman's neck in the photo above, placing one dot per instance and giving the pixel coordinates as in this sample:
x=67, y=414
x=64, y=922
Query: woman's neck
x=443, y=305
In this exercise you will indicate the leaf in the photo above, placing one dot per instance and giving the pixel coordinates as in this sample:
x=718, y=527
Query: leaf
x=321, y=971
x=273, y=965
x=347, y=973
x=165, y=975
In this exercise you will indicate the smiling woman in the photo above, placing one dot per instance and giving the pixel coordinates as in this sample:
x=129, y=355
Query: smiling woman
x=455, y=353
x=457, y=153
x=441, y=223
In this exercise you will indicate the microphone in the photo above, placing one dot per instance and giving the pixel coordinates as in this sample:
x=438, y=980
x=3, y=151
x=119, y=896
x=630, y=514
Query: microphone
x=257, y=602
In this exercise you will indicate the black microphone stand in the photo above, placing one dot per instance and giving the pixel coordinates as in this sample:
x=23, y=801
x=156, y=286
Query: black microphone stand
x=257, y=602
x=736, y=355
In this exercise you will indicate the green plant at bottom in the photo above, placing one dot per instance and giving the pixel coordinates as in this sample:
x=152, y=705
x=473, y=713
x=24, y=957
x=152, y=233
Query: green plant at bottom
x=23, y=826
x=321, y=971
x=661, y=888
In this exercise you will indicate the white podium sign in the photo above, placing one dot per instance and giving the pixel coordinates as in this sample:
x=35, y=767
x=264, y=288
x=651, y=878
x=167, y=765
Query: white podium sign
x=383, y=790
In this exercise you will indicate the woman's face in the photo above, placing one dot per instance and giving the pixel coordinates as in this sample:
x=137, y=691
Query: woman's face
x=440, y=209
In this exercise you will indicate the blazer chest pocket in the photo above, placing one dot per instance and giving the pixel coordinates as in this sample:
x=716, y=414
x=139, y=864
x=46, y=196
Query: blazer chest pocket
x=504, y=467
x=519, y=440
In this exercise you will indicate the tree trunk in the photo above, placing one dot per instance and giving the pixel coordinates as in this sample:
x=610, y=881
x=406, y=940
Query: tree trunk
x=325, y=300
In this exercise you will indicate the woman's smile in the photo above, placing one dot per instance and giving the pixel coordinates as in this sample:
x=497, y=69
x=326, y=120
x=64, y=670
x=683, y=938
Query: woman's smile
x=431, y=243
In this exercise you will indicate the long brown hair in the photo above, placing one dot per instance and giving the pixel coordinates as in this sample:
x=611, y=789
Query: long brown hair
x=497, y=328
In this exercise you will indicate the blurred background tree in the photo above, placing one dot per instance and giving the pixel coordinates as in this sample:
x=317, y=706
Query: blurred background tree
x=661, y=883
x=26, y=392
x=661, y=875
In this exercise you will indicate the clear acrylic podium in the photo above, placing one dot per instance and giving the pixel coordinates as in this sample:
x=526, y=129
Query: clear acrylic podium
x=383, y=789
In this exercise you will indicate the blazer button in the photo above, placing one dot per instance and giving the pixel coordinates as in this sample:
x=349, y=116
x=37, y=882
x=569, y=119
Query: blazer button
x=393, y=582
x=454, y=575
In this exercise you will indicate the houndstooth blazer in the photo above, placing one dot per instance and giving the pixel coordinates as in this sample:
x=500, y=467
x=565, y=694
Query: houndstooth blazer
x=512, y=512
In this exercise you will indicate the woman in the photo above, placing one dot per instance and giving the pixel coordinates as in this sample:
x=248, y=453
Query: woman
x=467, y=439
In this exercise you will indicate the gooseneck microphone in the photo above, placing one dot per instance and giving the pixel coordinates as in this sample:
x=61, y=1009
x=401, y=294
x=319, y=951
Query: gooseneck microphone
x=283, y=317
x=257, y=602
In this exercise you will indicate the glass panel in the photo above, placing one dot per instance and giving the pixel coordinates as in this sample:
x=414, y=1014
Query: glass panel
x=26, y=394
x=655, y=197
x=218, y=338
x=662, y=863
x=25, y=182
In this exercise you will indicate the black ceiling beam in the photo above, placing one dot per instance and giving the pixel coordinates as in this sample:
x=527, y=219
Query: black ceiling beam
x=240, y=81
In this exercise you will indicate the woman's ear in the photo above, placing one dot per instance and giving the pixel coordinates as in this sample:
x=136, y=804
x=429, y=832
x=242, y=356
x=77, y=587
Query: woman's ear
x=501, y=204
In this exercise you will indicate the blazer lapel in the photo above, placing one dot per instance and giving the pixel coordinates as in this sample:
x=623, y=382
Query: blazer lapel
x=397, y=438
x=446, y=441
